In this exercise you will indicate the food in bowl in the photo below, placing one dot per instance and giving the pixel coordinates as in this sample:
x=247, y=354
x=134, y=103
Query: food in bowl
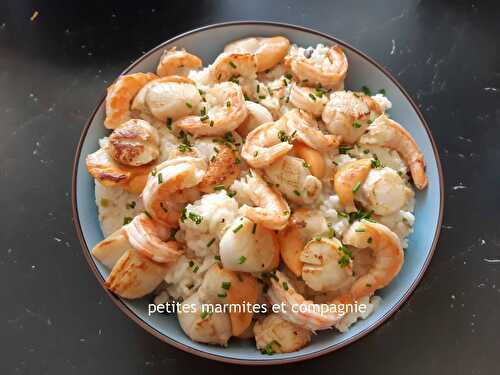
x=257, y=194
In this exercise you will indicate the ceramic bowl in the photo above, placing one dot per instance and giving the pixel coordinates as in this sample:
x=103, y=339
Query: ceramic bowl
x=207, y=42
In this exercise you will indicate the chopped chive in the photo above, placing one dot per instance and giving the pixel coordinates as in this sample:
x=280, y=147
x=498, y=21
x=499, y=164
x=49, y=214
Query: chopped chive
x=153, y=172
x=366, y=91
x=306, y=165
x=368, y=285
x=204, y=118
x=235, y=230
x=191, y=263
x=237, y=161
x=148, y=214
x=211, y=123
x=163, y=207
x=195, y=218
x=222, y=295
x=344, y=148
x=296, y=192
x=313, y=98
x=183, y=147
x=217, y=257
x=285, y=285
x=219, y=187
x=209, y=243
x=160, y=178
x=204, y=314
x=356, y=124
x=169, y=123
x=376, y=163
x=258, y=88
x=381, y=91
x=317, y=238
x=242, y=259
x=233, y=65
x=226, y=285
x=231, y=194
x=195, y=269
x=356, y=187
x=130, y=205
x=254, y=228
x=360, y=230
x=288, y=75
x=369, y=240
x=285, y=82
x=189, y=105
x=256, y=153
x=127, y=220
x=344, y=261
x=262, y=97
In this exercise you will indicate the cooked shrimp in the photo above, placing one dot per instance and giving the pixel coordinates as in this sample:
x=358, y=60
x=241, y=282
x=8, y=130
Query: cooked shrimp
x=135, y=275
x=248, y=247
x=201, y=325
x=308, y=99
x=325, y=66
x=294, y=179
x=348, y=180
x=384, y=191
x=273, y=334
x=388, y=257
x=171, y=177
x=150, y=239
x=120, y=95
x=134, y=143
x=304, y=224
x=313, y=159
x=169, y=97
x=297, y=309
x=388, y=133
x=266, y=144
x=257, y=115
x=268, y=51
x=348, y=114
x=326, y=266
x=223, y=112
x=222, y=170
x=306, y=130
x=272, y=209
x=222, y=286
x=108, y=172
x=229, y=66
x=177, y=62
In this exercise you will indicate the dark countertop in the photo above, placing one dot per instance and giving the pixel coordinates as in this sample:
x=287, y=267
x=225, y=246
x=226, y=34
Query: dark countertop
x=55, y=318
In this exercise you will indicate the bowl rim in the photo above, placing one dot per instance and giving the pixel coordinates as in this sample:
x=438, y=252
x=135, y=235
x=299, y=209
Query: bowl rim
x=269, y=361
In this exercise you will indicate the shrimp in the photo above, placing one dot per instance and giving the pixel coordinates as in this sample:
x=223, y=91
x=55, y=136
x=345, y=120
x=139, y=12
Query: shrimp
x=294, y=180
x=170, y=178
x=325, y=66
x=177, y=62
x=166, y=98
x=201, y=325
x=388, y=133
x=326, y=266
x=297, y=309
x=224, y=111
x=268, y=51
x=313, y=159
x=110, y=173
x=257, y=115
x=304, y=224
x=150, y=239
x=221, y=286
x=384, y=191
x=308, y=99
x=248, y=247
x=266, y=144
x=228, y=66
x=135, y=275
x=272, y=209
x=120, y=95
x=348, y=180
x=222, y=170
x=388, y=257
x=134, y=143
x=305, y=128
x=273, y=334
x=348, y=114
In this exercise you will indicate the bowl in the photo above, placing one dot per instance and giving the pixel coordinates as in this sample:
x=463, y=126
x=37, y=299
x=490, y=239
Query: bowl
x=207, y=42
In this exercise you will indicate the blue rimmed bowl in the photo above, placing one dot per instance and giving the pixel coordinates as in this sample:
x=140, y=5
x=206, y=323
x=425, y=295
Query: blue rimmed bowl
x=207, y=42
